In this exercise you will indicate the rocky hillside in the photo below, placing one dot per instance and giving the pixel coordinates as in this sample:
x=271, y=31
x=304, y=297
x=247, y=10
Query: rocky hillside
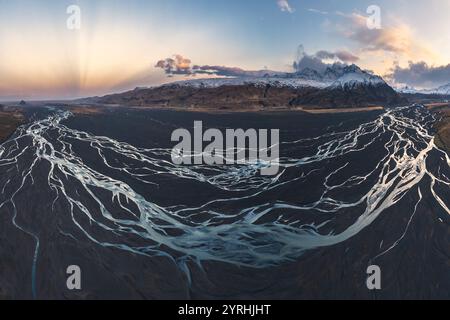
x=222, y=98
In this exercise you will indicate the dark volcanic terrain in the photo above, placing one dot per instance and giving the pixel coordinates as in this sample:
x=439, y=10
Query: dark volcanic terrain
x=96, y=189
x=246, y=97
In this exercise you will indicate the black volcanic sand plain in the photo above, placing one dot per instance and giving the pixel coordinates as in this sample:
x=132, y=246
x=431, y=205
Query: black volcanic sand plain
x=418, y=267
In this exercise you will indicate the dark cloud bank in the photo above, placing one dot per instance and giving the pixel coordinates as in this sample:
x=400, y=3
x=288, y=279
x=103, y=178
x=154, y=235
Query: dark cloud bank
x=318, y=60
x=420, y=74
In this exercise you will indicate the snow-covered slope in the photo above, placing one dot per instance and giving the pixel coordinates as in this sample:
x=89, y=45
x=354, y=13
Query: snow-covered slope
x=274, y=82
x=407, y=89
x=354, y=77
x=442, y=90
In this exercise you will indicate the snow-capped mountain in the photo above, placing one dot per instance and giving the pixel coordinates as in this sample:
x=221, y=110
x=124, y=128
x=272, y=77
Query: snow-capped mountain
x=338, y=86
x=353, y=77
x=257, y=82
x=352, y=88
x=408, y=89
x=335, y=76
x=442, y=90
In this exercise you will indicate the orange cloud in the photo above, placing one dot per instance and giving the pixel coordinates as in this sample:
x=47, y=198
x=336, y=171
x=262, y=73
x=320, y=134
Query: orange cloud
x=397, y=39
x=176, y=65
x=396, y=42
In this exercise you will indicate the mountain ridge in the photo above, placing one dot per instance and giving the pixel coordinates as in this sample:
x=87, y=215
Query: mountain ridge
x=338, y=86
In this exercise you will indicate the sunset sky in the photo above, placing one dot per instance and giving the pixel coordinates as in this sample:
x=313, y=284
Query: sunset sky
x=121, y=41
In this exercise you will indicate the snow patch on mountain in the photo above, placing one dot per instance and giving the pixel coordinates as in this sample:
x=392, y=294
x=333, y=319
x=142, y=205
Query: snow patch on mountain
x=354, y=77
x=259, y=82
x=407, y=89
x=442, y=90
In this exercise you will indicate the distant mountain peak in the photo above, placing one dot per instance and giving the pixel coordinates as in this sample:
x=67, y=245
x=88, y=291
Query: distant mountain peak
x=352, y=68
x=443, y=90
x=353, y=77
x=335, y=75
